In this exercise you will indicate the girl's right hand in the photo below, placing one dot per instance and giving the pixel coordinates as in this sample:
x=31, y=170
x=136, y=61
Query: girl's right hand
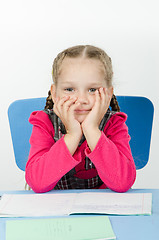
x=64, y=109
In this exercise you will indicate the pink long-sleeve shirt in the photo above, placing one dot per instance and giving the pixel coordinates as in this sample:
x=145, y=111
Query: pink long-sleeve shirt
x=49, y=161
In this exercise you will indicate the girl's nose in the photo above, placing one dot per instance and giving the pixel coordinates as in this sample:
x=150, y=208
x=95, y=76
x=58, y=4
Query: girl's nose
x=82, y=98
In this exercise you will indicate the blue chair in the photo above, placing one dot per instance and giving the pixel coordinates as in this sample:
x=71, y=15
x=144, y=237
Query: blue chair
x=140, y=118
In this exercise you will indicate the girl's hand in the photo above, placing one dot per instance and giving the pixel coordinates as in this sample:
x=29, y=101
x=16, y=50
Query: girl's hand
x=90, y=125
x=64, y=109
x=102, y=102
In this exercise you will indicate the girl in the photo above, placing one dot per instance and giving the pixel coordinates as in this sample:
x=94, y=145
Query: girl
x=77, y=142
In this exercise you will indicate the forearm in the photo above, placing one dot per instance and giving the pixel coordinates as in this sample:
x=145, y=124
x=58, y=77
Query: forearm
x=114, y=164
x=45, y=167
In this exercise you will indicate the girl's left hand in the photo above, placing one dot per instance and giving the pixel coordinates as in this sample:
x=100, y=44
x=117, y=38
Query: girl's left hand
x=102, y=102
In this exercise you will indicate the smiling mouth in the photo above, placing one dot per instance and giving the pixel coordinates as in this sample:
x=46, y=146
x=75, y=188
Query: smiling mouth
x=82, y=111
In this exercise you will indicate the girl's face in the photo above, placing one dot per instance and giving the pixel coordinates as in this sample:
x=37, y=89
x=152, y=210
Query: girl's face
x=80, y=78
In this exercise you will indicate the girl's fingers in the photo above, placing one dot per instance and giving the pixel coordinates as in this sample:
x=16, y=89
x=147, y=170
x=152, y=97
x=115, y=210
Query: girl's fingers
x=99, y=98
x=105, y=95
x=104, y=100
x=102, y=94
x=62, y=107
x=69, y=102
x=97, y=93
x=67, y=105
x=58, y=105
x=73, y=107
x=61, y=101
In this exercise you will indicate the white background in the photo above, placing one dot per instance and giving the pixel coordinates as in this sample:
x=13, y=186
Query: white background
x=32, y=32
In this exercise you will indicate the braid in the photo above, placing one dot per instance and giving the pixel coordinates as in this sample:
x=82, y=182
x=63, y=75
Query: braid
x=56, y=67
x=114, y=104
x=49, y=102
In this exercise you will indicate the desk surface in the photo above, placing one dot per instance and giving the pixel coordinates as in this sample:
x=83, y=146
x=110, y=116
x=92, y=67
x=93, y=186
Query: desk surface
x=125, y=227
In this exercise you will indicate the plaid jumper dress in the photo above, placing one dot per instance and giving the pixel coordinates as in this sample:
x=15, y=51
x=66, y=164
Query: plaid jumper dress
x=69, y=181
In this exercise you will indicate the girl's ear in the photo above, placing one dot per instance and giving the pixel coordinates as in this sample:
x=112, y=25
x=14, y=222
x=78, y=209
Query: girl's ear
x=53, y=92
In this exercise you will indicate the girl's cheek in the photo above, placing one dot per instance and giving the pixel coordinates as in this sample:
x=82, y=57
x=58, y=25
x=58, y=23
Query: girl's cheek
x=93, y=99
x=61, y=95
x=71, y=95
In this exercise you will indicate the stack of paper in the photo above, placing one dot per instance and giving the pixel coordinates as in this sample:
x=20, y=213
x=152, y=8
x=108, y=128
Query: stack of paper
x=66, y=228
x=56, y=204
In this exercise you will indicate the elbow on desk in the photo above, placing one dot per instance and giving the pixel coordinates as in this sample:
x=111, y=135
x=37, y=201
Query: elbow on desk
x=39, y=189
x=122, y=187
x=120, y=182
x=37, y=184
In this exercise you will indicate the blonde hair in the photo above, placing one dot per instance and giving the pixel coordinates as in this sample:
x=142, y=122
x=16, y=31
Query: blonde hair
x=84, y=51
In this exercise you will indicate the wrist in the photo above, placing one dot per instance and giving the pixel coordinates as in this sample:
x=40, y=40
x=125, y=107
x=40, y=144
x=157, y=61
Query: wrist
x=74, y=136
x=77, y=134
x=90, y=129
x=92, y=136
x=71, y=142
x=91, y=132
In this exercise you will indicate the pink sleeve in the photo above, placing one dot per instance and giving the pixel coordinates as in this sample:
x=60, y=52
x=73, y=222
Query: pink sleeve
x=112, y=155
x=48, y=161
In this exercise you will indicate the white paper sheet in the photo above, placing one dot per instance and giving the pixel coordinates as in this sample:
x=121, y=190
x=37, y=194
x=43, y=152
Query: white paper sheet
x=70, y=203
x=113, y=203
x=36, y=204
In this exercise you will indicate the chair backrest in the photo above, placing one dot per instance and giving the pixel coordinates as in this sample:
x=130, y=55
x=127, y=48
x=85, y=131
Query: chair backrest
x=140, y=117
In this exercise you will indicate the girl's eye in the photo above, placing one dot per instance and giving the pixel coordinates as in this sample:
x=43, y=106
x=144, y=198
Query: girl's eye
x=69, y=89
x=92, y=90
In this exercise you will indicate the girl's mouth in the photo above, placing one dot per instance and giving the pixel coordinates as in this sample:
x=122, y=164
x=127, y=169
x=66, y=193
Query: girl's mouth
x=82, y=111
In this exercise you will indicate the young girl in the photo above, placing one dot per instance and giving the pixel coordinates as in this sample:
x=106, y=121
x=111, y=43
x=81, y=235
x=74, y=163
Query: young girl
x=77, y=142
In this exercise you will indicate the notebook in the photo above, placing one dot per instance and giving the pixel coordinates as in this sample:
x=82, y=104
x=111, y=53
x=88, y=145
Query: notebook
x=66, y=228
x=56, y=204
